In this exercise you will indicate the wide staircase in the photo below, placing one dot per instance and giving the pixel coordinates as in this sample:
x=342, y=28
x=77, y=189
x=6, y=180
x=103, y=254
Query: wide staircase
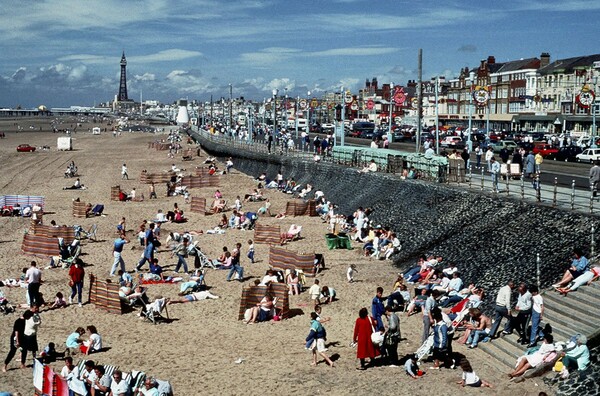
x=579, y=312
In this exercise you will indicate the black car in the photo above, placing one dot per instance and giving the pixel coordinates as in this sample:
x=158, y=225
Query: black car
x=568, y=153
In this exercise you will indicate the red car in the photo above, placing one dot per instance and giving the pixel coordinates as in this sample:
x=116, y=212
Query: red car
x=546, y=150
x=24, y=148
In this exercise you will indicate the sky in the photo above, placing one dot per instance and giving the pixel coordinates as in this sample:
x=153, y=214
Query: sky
x=67, y=52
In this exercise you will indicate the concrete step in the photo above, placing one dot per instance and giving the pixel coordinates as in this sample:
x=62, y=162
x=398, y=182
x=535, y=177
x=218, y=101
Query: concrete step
x=572, y=311
x=509, y=345
x=555, y=317
x=592, y=291
x=500, y=355
x=559, y=331
x=583, y=297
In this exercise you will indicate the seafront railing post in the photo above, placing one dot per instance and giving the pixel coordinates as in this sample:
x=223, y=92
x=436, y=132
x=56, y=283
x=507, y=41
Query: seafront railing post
x=554, y=192
x=482, y=177
x=470, y=176
x=572, y=194
x=591, y=199
x=538, y=272
x=538, y=189
x=458, y=174
x=593, y=244
x=523, y=185
x=508, y=180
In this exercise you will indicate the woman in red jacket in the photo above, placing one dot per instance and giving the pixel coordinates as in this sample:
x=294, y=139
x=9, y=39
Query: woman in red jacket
x=76, y=275
x=363, y=328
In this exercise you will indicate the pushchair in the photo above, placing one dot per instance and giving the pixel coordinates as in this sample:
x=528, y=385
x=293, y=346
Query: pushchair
x=5, y=307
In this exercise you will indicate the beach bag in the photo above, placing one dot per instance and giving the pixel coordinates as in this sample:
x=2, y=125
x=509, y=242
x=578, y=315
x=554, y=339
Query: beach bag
x=376, y=337
x=558, y=366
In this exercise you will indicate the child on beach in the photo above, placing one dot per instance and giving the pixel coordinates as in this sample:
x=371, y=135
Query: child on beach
x=411, y=366
x=316, y=338
x=469, y=378
x=350, y=273
x=251, y=250
x=59, y=301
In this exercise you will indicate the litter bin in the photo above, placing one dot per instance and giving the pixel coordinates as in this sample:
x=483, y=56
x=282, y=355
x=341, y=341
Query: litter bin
x=344, y=242
x=332, y=241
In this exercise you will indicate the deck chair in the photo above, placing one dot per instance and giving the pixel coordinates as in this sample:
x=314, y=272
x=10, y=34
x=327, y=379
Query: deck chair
x=153, y=311
x=292, y=234
x=67, y=262
x=135, y=379
x=201, y=260
x=97, y=210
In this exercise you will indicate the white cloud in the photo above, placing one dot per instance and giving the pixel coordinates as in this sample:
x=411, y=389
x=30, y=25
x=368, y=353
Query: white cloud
x=354, y=51
x=164, y=56
x=20, y=74
x=77, y=73
x=145, y=77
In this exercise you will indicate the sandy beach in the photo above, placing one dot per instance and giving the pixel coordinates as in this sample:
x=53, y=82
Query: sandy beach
x=197, y=352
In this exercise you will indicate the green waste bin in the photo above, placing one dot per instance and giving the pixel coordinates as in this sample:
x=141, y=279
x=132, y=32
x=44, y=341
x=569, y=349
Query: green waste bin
x=344, y=242
x=332, y=241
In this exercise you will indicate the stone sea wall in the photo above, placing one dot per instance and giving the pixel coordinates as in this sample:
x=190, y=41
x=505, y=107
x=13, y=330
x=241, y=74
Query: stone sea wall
x=492, y=239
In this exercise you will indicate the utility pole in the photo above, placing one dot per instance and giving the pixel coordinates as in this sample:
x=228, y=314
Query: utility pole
x=420, y=101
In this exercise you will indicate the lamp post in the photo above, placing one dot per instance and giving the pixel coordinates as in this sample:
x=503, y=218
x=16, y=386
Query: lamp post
x=437, y=115
x=230, y=124
x=308, y=112
x=275, y=91
x=296, y=114
x=594, y=81
x=285, y=107
x=469, y=142
x=391, y=110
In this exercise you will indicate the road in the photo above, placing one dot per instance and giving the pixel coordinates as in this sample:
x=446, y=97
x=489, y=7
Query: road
x=564, y=172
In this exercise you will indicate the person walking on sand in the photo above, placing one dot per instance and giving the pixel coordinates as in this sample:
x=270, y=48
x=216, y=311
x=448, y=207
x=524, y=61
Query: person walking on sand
x=124, y=174
x=316, y=337
x=117, y=251
x=363, y=328
x=76, y=276
x=17, y=340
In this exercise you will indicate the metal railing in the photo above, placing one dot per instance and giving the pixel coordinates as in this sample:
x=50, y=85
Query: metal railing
x=523, y=187
x=509, y=184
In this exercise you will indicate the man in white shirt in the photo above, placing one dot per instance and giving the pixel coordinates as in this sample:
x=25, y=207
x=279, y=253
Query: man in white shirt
x=523, y=308
x=33, y=278
x=150, y=388
x=124, y=174
x=502, y=309
x=118, y=386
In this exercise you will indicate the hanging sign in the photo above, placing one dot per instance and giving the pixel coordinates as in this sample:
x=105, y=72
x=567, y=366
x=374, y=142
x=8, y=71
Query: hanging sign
x=303, y=104
x=354, y=105
x=370, y=104
x=399, y=96
x=481, y=95
x=348, y=97
x=585, y=98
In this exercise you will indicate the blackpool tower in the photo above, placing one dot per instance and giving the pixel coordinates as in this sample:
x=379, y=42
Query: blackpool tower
x=123, y=83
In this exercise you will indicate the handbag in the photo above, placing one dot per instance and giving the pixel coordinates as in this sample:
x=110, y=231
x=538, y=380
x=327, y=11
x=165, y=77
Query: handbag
x=376, y=337
x=71, y=283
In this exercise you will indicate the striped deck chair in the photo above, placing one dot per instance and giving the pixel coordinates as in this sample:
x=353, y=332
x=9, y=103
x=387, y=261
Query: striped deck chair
x=135, y=379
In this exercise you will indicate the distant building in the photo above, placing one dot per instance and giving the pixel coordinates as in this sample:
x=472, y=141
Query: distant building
x=122, y=101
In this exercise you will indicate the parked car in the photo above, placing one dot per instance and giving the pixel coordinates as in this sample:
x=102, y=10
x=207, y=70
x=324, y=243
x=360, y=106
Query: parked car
x=454, y=142
x=400, y=135
x=588, y=155
x=546, y=150
x=25, y=148
x=327, y=128
x=510, y=145
x=568, y=153
x=364, y=129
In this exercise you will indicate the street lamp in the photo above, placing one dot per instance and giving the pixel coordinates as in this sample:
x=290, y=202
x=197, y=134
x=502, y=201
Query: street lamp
x=230, y=109
x=275, y=91
x=469, y=142
x=594, y=81
x=391, y=107
x=308, y=112
x=285, y=107
x=437, y=115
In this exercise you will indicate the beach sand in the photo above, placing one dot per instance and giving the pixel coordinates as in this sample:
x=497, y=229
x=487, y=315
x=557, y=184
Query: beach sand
x=198, y=350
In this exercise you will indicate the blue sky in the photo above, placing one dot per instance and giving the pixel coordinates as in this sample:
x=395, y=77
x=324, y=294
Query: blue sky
x=67, y=52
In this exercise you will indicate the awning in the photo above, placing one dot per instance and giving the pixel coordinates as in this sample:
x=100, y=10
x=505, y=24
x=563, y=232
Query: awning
x=533, y=117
